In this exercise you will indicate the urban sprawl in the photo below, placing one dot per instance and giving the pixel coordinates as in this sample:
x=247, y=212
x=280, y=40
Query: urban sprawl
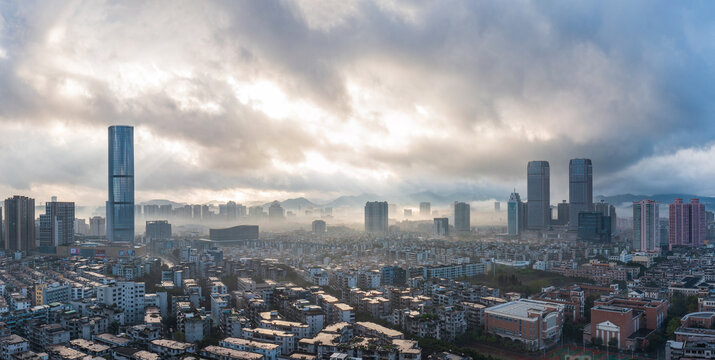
x=290, y=280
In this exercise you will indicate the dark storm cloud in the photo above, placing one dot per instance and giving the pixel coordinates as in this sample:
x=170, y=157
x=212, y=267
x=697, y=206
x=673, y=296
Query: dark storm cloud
x=497, y=84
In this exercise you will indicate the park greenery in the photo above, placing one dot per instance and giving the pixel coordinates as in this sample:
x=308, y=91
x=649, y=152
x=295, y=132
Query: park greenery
x=523, y=281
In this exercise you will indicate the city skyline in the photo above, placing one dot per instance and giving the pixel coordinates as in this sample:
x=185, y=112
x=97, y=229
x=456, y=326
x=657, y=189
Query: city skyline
x=247, y=118
x=357, y=179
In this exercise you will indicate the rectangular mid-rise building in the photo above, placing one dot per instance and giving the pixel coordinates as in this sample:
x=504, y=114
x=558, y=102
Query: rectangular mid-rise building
x=537, y=324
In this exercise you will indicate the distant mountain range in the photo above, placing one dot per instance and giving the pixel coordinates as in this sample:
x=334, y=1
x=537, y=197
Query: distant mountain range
x=360, y=200
x=621, y=200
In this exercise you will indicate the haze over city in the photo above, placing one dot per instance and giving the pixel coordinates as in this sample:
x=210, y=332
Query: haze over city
x=357, y=180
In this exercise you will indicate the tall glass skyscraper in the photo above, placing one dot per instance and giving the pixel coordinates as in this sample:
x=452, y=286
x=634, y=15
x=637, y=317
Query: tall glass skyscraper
x=515, y=214
x=580, y=190
x=120, y=206
x=538, y=195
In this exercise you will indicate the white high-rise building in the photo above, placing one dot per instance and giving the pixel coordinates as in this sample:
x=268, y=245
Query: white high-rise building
x=646, y=226
x=128, y=296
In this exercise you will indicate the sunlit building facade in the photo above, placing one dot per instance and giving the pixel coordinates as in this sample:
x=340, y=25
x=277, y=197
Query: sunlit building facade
x=57, y=224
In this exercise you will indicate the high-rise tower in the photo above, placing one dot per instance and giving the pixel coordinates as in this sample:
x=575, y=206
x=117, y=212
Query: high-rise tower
x=686, y=223
x=515, y=214
x=425, y=210
x=120, y=206
x=580, y=189
x=462, y=218
x=538, y=195
x=57, y=224
x=646, y=226
x=19, y=223
x=376, y=217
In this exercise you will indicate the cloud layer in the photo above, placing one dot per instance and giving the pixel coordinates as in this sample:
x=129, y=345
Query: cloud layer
x=263, y=99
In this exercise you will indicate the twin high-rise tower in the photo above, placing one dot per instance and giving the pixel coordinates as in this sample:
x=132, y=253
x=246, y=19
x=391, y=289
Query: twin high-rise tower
x=686, y=223
x=538, y=206
x=120, y=205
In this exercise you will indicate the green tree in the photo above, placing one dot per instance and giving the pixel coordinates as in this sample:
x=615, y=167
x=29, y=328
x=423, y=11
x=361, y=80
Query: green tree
x=681, y=305
x=622, y=285
x=613, y=342
x=691, y=303
x=231, y=282
x=589, y=304
x=641, y=267
x=212, y=339
x=597, y=341
x=573, y=332
x=113, y=328
x=179, y=336
x=673, y=325
x=655, y=341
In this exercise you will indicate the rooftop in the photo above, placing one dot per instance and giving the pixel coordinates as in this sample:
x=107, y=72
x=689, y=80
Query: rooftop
x=171, y=344
x=522, y=307
x=699, y=315
x=337, y=327
x=301, y=356
x=223, y=352
x=112, y=339
x=89, y=345
x=323, y=338
x=64, y=352
x=343, y=307
x=379, y=328
x=269, y=332
x=255, y=344
x=12, y=339
x=137, y=354
x=617, y=309
x=407, y=346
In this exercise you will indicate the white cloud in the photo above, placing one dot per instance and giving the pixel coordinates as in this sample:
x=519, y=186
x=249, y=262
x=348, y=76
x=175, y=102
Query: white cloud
x=311, y=97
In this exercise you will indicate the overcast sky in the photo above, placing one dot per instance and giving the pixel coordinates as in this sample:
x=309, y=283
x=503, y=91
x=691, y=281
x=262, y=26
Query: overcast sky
x=262, y=100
